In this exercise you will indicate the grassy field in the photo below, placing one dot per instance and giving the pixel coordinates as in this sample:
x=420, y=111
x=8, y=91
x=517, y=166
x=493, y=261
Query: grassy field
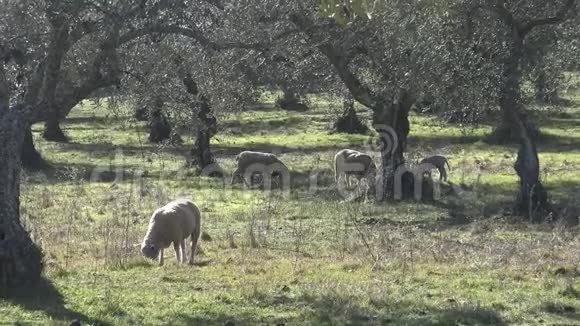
x=310, y=257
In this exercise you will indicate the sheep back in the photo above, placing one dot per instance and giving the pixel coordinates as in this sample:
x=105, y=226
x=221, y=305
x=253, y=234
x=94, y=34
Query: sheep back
x=247, y=158
x=347, y=159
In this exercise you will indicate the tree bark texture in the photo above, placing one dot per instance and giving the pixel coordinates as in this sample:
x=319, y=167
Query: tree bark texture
x=291, y=102
x=532, y=197
x=52, y=129
x=20, y=258
x=391, y=121
x=159, y=126
x=200, y=154
x=30, y=157
x=349, y=122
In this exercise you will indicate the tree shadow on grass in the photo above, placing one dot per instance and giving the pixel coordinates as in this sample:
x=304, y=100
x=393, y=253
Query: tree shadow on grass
x=89, y=120
x=562, y=310
x=216, y=319
x=333, y=310
x=252, y=127
x=54, y=173
x=233, y=150
x=44, y=297
x=109, y=149
x=561, y=123
x=557, y=144
x=547, y=143
x=442, y=141
x=337, y=310
x=499, y=202
x=220, y=151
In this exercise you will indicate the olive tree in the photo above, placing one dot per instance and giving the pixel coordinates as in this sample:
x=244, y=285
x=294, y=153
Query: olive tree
x=377, y=60
x=195, y=84
x=55, y=77
x=251, y=48
x=441, y=46
x=516, y=23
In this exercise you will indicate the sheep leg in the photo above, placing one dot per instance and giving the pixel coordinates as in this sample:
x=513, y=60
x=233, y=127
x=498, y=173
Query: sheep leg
x=177, y=248
x=161, y=257
x=443, y=175
x=194, y=239
x=235, y=176
x=366, y=192
x=267, y=181
x=244, y=181
x=182, y=247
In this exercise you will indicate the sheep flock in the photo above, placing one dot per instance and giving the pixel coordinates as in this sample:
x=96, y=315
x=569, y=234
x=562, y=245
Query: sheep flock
x=180, y=219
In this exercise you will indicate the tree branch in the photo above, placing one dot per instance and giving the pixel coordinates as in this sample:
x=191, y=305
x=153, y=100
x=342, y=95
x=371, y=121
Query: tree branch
x=360, y=92
x=4, y=91
x=216, y=3
x=499, y=7
x=561, y=16
x=95, y=79
x=200, y=38
x=35, y=84
x=55, y=55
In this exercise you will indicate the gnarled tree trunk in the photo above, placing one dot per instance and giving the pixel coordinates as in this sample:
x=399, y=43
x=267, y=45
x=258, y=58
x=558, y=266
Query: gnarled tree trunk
x=52, y=129
x=141, y=114
x=200, y=154
x=391, y=121
x=532, y=197
x=31, y=158
x=509, y=128
x=52, y=77
x=291, y=102
x=349, y=121
x=159, y=126
x=392, y=125
x=20, y=258
x=506, y=132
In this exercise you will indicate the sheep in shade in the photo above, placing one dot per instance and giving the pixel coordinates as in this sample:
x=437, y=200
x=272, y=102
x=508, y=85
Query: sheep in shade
x=249, y=162
x=348, y=162
x=438, y=162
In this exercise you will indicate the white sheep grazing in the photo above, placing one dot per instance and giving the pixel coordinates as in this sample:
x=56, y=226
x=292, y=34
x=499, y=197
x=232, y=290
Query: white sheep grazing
x=173, y=223
x=250, y=162
x=348, y=162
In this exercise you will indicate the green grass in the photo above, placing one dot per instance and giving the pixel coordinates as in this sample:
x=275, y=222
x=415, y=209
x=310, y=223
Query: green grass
x=309, y=258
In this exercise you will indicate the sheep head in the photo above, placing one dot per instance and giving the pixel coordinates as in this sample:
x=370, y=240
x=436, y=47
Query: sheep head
x=150, y=250
x=236, y=177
